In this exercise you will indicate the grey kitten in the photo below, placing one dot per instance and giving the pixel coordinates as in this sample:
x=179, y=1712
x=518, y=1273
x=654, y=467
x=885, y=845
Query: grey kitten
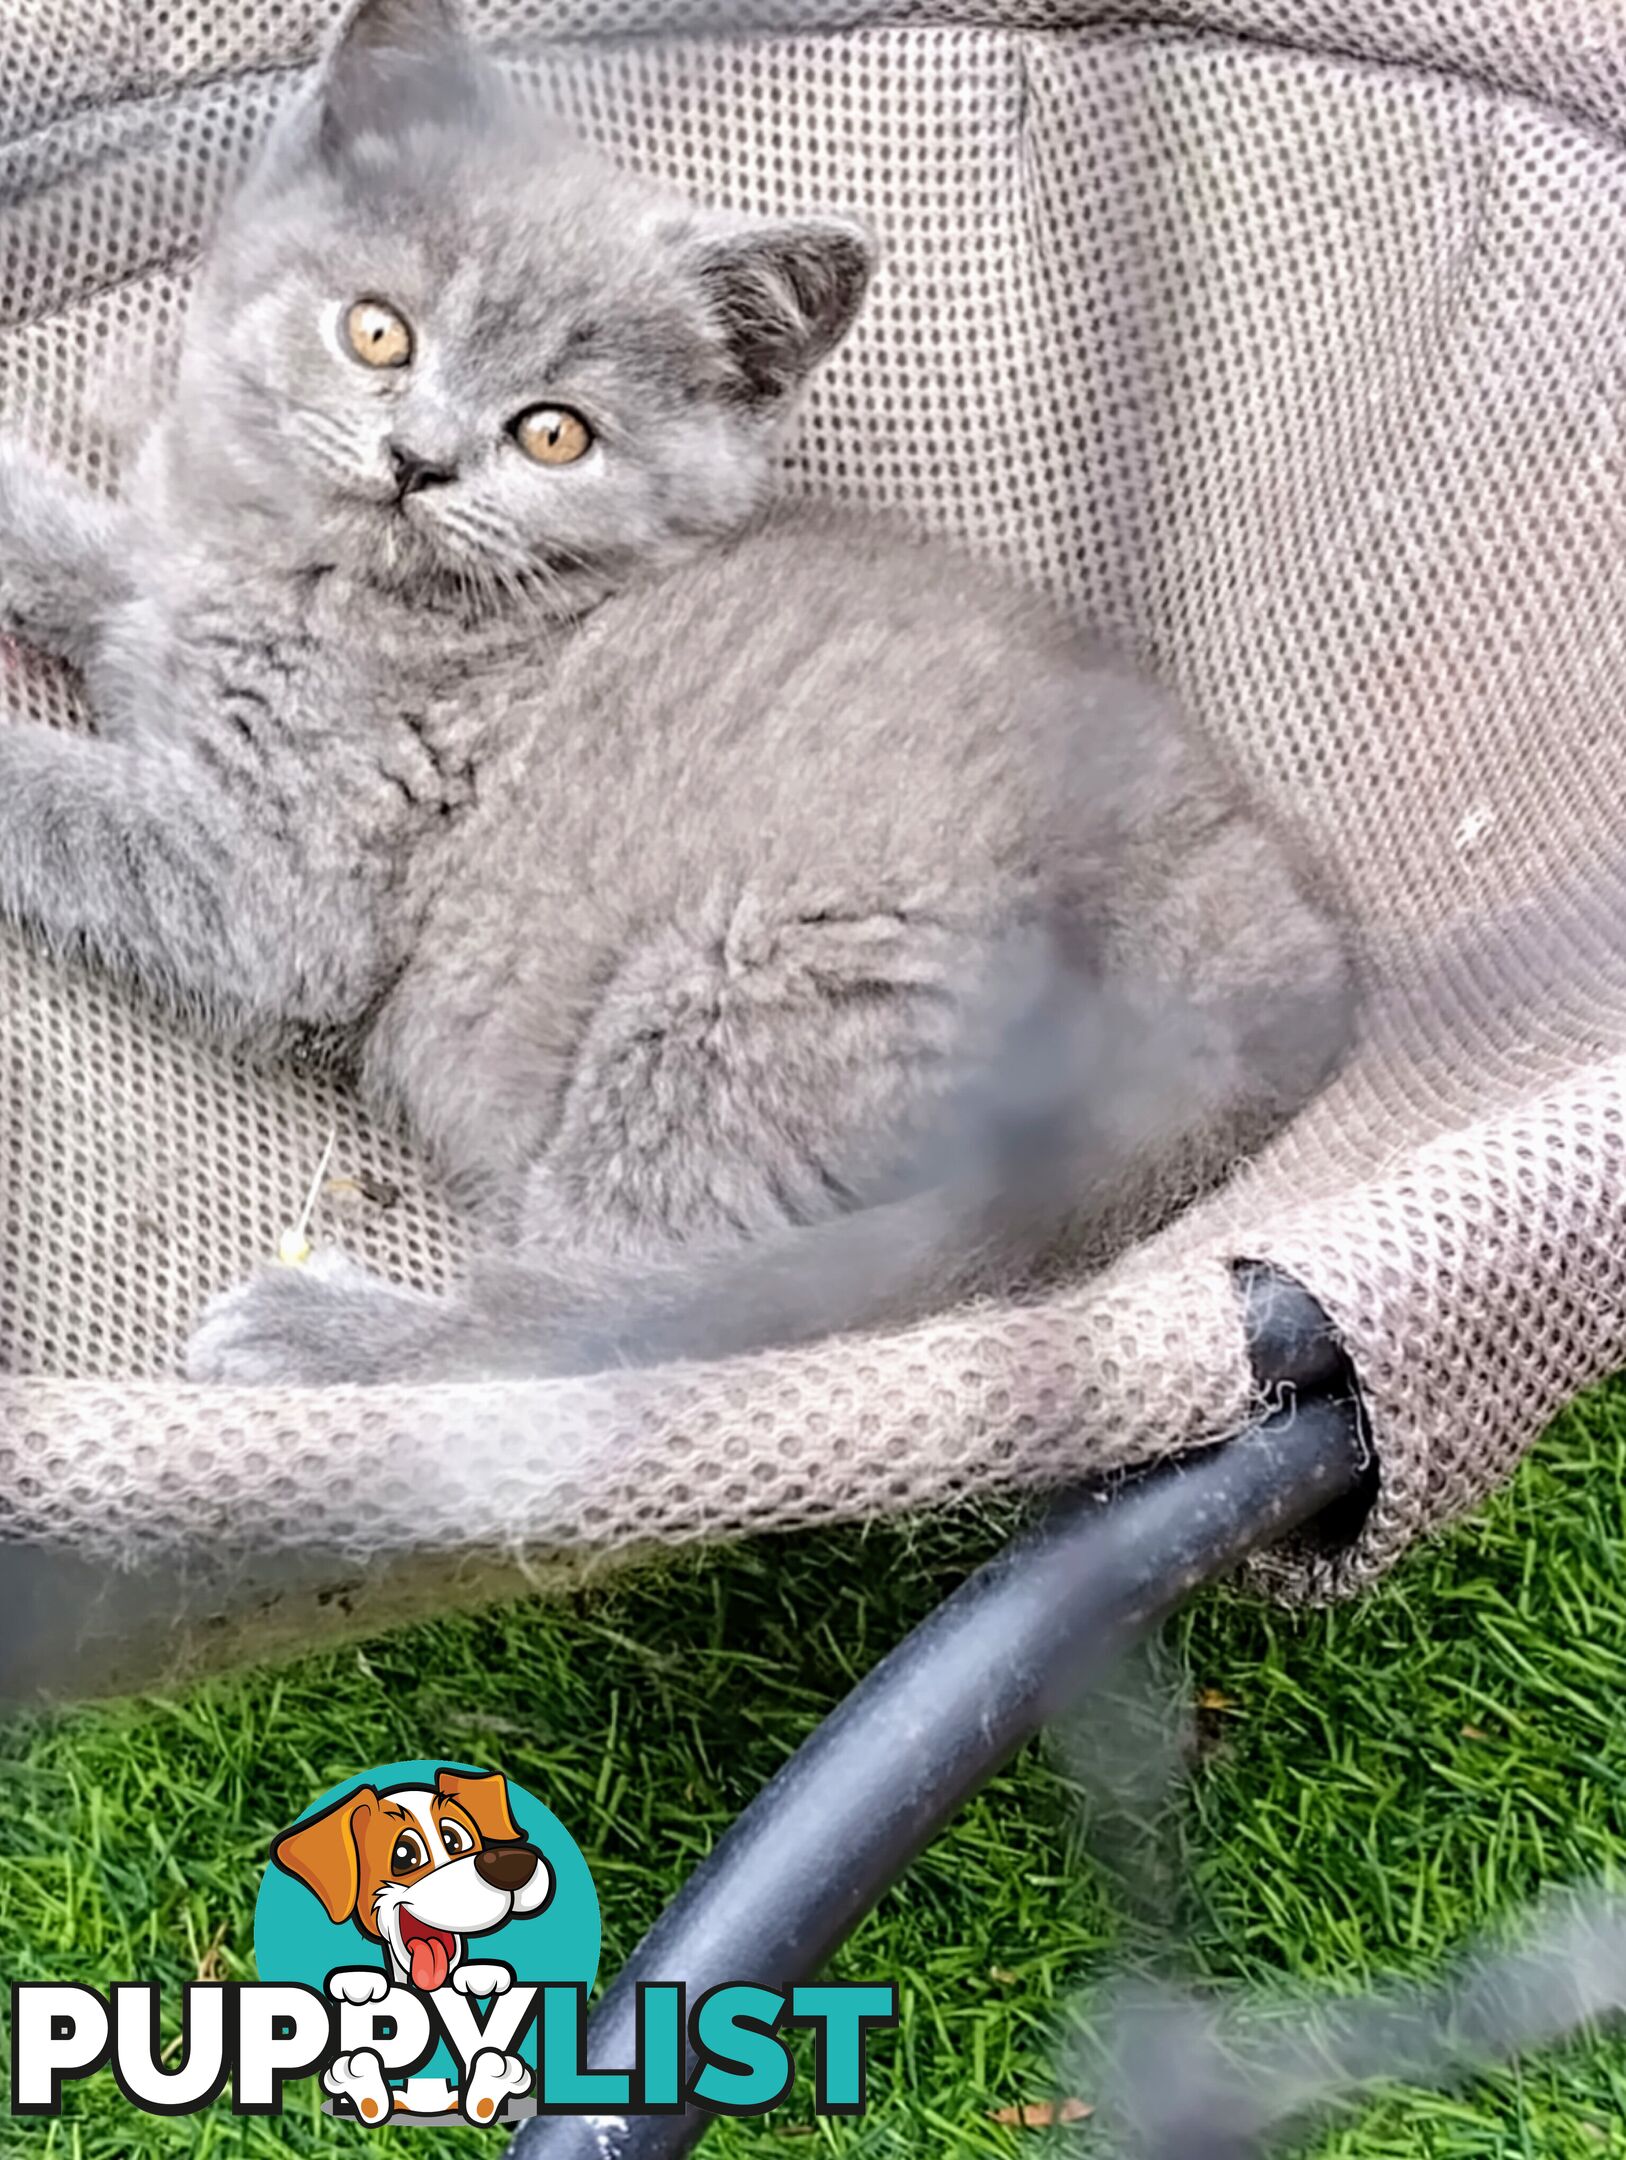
x=780, y=925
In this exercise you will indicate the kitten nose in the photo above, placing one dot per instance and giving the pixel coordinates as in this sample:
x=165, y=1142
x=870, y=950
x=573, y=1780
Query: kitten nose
x=414, y=471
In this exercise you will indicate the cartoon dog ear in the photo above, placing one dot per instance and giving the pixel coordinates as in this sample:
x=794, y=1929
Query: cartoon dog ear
x=325, y=1852
x=484, y=1800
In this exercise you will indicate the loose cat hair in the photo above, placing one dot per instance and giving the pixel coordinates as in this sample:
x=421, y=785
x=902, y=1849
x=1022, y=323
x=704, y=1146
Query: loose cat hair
x=774, y=924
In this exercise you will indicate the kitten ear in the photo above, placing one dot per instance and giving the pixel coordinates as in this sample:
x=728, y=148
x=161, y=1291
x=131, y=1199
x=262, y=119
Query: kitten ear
x=785, y=295
x=423, y=27
x=392, y=61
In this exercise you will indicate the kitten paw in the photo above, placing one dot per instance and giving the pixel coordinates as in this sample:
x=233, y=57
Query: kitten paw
x=326, y=1324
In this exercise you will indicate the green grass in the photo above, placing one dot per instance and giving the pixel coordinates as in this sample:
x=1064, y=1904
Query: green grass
x=1379, y=1782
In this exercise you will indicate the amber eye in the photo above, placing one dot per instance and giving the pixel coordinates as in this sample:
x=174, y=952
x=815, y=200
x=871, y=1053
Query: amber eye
x=377, y=335
x=455, y=1838
x=407, y=1853
x=553, y=435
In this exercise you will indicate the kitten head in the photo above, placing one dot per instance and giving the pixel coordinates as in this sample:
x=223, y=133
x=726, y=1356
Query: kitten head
x=445, y=348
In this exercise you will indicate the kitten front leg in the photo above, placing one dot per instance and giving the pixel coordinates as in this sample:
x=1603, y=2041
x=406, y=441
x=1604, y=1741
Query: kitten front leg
x=60, y=570
x=118, y=855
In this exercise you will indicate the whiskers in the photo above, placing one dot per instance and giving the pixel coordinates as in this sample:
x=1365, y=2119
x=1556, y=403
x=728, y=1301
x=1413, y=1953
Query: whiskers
x=496, y=572
x=331, y=450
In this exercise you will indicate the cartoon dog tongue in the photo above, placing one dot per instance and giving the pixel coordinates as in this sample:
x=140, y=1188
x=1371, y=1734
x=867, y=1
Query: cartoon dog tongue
x=430, y=1958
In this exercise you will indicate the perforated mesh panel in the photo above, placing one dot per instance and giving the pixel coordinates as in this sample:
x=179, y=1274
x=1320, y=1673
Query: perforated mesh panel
x=1300, y=375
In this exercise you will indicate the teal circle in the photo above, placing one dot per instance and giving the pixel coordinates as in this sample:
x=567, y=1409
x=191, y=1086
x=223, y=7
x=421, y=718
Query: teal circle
x=294, y=1940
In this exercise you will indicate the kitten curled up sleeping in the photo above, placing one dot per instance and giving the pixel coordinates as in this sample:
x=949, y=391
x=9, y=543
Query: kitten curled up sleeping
x=780, y=926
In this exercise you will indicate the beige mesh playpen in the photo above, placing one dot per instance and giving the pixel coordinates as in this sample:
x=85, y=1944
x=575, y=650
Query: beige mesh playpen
x=1286, y=339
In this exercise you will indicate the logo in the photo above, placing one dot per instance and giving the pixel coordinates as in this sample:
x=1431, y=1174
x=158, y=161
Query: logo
x=427, y=1936
x=429, y=1902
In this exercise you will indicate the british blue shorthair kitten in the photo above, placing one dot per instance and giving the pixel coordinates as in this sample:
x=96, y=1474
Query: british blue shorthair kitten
x=778, y=925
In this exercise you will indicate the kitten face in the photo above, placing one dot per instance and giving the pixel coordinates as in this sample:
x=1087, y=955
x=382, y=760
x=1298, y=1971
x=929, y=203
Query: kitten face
x=452, y=352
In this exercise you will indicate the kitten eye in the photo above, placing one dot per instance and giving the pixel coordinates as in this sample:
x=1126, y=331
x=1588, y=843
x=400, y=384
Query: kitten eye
x=377, y=335
x=553, y=435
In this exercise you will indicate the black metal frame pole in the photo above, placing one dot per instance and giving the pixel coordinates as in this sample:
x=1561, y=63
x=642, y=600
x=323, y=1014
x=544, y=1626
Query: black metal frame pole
x=1018, y=1643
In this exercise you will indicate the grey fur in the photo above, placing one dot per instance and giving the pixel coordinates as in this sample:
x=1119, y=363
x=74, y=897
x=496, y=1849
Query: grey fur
x=785, y=926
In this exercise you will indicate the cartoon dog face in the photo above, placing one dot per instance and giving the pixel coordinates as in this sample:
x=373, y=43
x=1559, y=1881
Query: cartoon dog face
x=420, y=1868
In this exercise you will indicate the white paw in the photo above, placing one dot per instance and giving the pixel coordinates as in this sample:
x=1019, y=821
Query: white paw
x=362, y=1984
x=491, y=2081
x=483, y=1979
x=359, y=2078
